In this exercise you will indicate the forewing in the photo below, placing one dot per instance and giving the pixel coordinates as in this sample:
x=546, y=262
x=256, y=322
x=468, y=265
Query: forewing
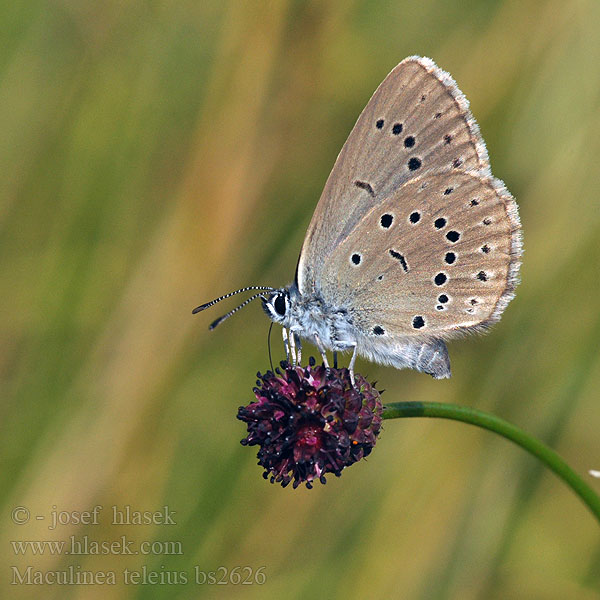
x=416, y=124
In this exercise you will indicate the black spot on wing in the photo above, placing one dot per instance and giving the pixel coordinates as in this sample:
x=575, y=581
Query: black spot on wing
x=363, y=185
x=400, y=258
x=414, y=163
x=440, y=279
x=386, y=221
x=418, y=322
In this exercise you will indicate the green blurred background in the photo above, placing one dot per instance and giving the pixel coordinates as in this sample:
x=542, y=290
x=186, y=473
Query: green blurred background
x=157, y=154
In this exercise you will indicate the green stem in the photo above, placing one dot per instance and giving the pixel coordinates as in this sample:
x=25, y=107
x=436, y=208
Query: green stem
x=550, y=458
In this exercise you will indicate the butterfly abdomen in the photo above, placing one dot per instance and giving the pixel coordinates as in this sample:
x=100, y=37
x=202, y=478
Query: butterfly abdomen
x=429, y=356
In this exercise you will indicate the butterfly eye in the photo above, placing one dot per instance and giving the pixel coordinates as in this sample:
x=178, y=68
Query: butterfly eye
x=280, y=305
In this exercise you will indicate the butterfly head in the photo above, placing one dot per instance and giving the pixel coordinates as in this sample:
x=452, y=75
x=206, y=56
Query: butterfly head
x=277, y=305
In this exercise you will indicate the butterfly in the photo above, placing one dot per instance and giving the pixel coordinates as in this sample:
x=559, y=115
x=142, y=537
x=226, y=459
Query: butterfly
x=412, y=242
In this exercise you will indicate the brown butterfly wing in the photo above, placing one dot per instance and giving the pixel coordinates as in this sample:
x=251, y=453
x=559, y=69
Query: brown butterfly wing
x=437, y=257
x=417, y=123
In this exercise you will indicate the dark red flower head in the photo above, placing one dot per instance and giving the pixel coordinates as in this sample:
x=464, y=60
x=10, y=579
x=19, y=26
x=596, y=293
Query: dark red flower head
x=309, y=421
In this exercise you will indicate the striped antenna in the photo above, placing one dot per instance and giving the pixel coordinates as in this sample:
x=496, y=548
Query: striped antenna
x=231, y=312
x=246, y=289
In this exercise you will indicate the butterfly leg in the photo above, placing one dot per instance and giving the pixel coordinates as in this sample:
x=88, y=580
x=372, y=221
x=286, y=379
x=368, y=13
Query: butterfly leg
x=284, y=332
x=335, y=359
x=322, y=351
x=292, y=337
x=299, y=349
x=351, y=364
